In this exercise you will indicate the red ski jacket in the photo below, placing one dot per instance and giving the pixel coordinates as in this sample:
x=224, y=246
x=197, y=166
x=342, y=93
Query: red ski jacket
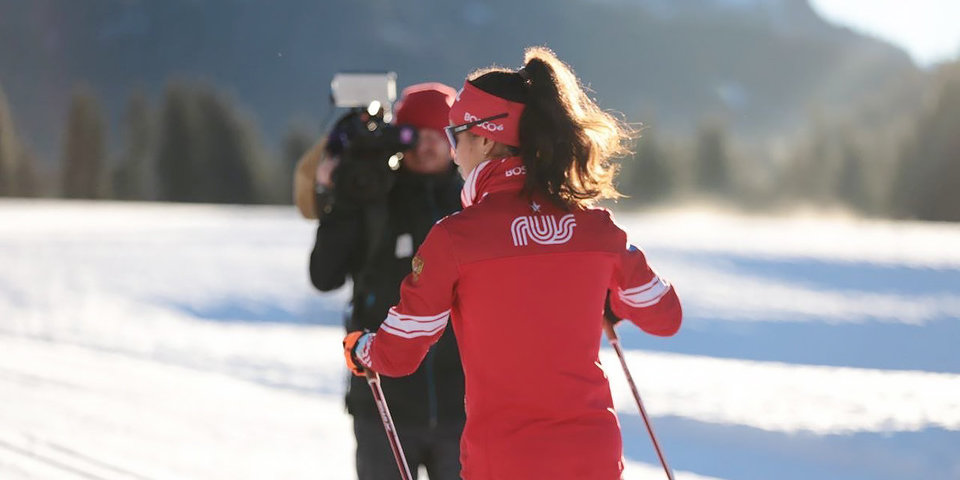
x=524, y=284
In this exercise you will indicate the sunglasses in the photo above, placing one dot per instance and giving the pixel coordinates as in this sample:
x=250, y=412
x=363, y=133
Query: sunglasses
x=453, y=130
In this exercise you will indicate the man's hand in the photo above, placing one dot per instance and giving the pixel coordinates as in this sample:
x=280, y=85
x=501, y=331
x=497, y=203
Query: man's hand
x=351, y=342
x=324, y=173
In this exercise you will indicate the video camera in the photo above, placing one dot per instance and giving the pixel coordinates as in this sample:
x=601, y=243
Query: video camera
x=369, y=147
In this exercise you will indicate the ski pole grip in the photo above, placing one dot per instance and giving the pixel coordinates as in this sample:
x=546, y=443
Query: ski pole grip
x=608, y=328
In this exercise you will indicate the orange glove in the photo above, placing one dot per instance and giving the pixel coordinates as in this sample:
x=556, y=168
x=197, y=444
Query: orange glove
x=349, y=347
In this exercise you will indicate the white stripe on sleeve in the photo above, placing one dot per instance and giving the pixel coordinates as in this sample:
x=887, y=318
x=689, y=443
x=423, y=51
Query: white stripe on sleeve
x=412, y=326
x=645, y=295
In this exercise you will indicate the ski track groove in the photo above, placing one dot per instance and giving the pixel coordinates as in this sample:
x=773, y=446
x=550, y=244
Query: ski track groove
x=50, y=462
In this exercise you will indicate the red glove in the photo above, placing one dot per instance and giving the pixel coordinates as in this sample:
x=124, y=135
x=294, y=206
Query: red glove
x=349, y=352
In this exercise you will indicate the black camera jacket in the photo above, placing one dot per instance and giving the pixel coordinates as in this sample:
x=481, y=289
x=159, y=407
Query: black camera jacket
x=434, y=393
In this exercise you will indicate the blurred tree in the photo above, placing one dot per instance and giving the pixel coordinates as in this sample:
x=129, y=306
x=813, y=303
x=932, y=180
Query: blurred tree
x=131, y=177
x=928, y=184
x=8, y=148
x=27, y=178
x=179, y=146
x=812, y=173
x=647, y=176
x=208, y=151
x=230, y=166
x=83, y=153
x=711, y=163
x=17, y=164
x=851, y=186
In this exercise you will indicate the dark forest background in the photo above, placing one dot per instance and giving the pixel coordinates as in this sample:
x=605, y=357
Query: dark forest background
x=755, y=104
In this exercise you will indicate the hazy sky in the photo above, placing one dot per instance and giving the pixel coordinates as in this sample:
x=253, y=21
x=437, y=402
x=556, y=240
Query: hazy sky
x=929, y=30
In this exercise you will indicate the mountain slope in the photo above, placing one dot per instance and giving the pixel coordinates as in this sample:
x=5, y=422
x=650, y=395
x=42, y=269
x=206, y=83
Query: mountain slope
x=761, y=64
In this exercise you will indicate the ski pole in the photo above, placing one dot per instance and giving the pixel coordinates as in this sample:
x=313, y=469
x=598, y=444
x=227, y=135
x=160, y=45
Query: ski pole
x=373, y=379
x=615, y=343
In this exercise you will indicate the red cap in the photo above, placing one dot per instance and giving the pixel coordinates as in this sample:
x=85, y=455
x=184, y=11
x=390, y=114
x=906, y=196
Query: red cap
x=425, y=105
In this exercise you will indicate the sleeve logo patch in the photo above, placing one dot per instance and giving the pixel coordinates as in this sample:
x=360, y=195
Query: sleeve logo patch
x=416, y=267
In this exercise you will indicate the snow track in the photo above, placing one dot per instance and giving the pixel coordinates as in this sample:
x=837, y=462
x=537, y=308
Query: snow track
x=147, y=341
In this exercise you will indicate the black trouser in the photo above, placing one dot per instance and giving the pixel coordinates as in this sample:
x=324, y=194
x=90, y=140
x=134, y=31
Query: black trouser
x=436, y=448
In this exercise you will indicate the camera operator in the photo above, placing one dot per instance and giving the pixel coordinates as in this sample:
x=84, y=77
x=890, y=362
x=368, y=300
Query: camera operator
x=374, y=241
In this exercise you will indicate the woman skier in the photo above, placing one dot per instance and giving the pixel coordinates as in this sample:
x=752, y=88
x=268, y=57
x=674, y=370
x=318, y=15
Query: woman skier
x=523, y=273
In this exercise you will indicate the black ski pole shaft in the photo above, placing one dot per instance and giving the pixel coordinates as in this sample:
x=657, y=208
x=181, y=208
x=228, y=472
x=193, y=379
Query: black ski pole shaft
x=373, y=379
x=615, y=343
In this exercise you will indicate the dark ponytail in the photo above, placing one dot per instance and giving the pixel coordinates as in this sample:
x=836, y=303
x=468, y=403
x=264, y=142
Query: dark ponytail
x=566, y=141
